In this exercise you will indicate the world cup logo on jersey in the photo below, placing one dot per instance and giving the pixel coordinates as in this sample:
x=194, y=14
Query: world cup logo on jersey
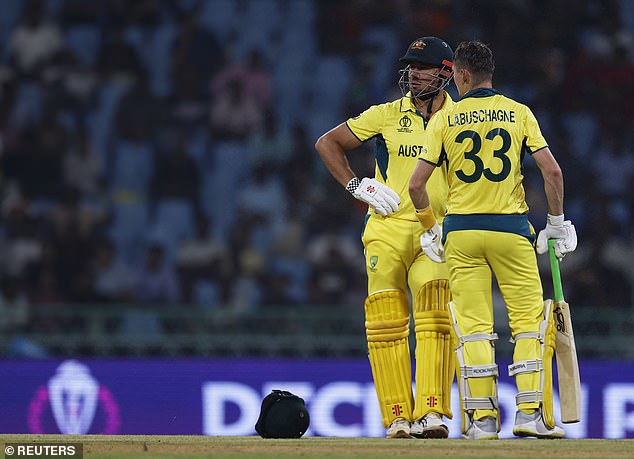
x=75, y=398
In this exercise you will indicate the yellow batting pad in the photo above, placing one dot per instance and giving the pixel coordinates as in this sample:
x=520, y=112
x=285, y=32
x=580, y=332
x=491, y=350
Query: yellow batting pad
x=547, y=362
x=535, y=380
x=528, y=349
x=435, y=360
x=387, y=329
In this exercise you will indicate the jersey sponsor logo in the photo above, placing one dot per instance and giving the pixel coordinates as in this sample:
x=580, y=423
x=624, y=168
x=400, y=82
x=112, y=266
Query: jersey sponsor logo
x=405, y=122
x=480, y=116
x=410, y=151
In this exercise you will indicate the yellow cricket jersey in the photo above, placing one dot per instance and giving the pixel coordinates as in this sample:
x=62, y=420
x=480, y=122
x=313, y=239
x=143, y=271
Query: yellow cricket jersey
x=482, y=139
x=398, y=130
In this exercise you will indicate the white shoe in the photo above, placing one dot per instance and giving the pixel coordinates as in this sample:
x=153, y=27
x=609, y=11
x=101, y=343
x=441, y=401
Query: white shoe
x=429, y=426
x=399, y=429
x=533, y=425
x=484, y=429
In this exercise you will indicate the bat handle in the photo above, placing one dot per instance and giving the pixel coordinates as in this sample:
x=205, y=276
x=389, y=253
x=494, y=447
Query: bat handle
x=554, y=269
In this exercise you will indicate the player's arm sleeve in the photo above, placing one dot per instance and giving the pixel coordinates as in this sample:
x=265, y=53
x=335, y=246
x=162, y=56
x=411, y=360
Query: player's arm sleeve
x=432, y=151
x=533, y=140
x=368, y=124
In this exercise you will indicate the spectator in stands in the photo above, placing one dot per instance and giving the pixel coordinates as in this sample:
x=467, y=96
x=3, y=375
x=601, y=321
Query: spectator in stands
x=254, y=78
x=74, y=234
x=175, y=173
x=145, y=13
x=189, y=102
x=14, y=305
x=155, y=280
x=263, y=197
x=234, y=115
x=140, y=112
x=332, y=279
x=247, y=288
x=201, y=258
x=35, y=40
x=195, y=51
x=117, y=60
x=112, y=275
x=277, y=292
x=336, y=271
x=270, y=144
x=83, y=168
x=615, y=158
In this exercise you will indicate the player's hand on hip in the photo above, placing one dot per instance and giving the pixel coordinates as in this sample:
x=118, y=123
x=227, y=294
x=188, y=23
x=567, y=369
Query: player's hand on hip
x=562, y=231
x=381, y=197
x=431, y=243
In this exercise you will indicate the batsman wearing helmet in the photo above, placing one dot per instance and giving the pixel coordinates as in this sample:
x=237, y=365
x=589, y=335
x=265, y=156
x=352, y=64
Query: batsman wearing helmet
x=396, y=266
x=482, y=140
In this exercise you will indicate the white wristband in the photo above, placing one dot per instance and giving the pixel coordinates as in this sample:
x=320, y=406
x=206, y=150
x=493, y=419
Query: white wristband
x=556, y=220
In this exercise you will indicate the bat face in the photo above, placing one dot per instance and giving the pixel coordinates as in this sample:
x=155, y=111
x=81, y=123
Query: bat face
x=567, y=364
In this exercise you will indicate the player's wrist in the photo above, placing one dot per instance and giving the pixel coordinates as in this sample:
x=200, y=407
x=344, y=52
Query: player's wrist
x=353, y=184
x=426, y=217
x=555, y=220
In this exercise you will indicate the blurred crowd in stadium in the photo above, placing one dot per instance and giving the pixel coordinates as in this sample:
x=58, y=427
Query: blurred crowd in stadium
x=161, y=151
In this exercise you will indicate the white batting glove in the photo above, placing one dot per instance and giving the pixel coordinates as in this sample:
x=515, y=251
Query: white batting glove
x=431, y=243
x=562, y=231
x=379, y=196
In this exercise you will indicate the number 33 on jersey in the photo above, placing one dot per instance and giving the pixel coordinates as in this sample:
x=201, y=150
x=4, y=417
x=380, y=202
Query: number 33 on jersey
x=484, y=149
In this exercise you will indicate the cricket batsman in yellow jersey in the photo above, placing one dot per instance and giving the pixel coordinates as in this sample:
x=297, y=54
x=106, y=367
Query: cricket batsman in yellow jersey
x=482, y=140
x=396, y=266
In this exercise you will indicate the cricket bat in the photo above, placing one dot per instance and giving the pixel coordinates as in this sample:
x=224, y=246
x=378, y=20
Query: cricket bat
x=565, y=350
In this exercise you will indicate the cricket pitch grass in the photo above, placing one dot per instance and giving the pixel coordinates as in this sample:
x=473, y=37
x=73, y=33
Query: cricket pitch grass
x=198, y=447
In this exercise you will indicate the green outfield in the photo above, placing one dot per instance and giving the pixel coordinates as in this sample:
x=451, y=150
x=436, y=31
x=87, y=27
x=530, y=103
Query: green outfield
x=198, y=447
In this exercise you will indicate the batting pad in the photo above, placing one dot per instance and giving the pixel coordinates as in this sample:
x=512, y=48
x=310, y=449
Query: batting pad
x=533, y=367
x=387, y=330
x=434, y=350
x=549, y=349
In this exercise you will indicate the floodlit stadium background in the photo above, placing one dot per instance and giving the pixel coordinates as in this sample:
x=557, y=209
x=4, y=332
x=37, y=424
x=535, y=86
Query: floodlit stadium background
x=161, y=198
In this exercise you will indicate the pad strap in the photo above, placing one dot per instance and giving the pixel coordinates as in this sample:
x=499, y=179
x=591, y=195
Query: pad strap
x=478, y=337
x=528, y=396
x=527, y=335
x=480, y=403
x=525, y=366
x=479, y=371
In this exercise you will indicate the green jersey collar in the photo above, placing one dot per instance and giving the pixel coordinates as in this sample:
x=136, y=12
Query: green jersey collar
x=408, y=105
x=480, y=92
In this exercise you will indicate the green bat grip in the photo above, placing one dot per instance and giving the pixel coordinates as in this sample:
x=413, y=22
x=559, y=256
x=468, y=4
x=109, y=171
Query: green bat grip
x=554, y=269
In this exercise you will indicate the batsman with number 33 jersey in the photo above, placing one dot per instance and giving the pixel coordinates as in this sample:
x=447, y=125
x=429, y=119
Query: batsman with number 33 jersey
x=482, y=140
x=396, y=266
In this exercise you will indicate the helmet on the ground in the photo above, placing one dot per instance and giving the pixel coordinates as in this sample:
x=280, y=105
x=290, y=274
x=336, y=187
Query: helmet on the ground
x=282, y=415
x=430, y=53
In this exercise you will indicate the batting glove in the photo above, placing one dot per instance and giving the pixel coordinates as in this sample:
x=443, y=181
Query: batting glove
x=431, y=243
x=379, y=196
x=562, y=231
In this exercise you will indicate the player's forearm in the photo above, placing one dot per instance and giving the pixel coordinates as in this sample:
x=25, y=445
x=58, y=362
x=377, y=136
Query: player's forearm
x=418, y=185
x=554, y=188
x=553, y=180
x=335, y=160
x=419, y=196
